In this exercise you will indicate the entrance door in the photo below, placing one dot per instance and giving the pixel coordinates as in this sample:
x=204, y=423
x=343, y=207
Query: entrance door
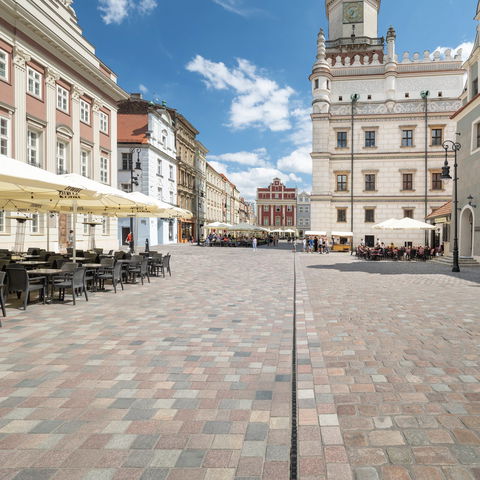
x=125, y=231
x=370, y=240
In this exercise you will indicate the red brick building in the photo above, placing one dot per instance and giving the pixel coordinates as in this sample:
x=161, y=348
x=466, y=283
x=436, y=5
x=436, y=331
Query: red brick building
x=276, y=206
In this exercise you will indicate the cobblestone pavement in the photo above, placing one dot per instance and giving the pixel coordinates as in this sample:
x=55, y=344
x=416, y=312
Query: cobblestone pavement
x=392, y=350
x=189, y=377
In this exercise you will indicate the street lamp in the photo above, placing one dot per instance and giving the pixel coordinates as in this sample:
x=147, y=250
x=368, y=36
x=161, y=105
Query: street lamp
x=354, y=99
x=201, y=194
x=425, y=94
x=454, y=147
x=134, y=177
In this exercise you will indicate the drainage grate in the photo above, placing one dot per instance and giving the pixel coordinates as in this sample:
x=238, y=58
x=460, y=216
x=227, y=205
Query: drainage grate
x=294, y=438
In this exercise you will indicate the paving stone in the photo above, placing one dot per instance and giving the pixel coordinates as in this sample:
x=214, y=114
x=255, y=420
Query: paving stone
x=366, y=473
x=190, y=458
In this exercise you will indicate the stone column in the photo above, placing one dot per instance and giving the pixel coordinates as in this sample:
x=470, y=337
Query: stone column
x=76, y=94
x=20, y=58
x=96, y=141
x=51, y=78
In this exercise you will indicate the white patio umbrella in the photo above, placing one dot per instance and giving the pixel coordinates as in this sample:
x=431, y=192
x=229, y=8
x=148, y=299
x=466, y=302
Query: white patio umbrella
x=385, y=225
x=219, y=225
x=342, y=234
x=315, y=233
x=151, y=207
x=404, y=224
x=244, y=227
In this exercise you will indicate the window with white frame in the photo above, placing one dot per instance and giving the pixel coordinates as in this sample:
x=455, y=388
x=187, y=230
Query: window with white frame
x=104, y=169
x=84, y=111
x=84, y=162
x=3, y=225
x=33, y=148
x=159, y=166
x=126, y=187
x=164, y=138
x=105, y=226
x=172, y=198
x=103, y=122
x=34, y=83
x=35, y=223
x=159, y=193
x=171, y=172
x=4, y=136
x=4, y=65
x=85, y=225
x=61, y=157
x=62, y=99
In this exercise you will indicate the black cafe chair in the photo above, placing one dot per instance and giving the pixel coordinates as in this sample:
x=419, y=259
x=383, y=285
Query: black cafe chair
x=20, y=282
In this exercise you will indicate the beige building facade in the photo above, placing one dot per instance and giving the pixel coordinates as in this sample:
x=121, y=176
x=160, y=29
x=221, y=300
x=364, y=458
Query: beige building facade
x=368, y=112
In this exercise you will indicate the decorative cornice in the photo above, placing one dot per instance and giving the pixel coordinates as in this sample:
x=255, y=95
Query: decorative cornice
x=20, y=57
x=51, y=77
x=77, y=93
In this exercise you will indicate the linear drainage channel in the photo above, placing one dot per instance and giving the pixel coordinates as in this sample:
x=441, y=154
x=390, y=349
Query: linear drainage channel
x=294, y=436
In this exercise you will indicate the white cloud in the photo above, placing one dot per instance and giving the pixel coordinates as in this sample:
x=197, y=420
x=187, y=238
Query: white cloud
x=219, y=167
x=116, y=11
x=258, y=157
x=302, y=132
x=298, y=161
x=146, y=6
x=143, y=88
x=233, y=6
x=466, y=48
x=258, y=102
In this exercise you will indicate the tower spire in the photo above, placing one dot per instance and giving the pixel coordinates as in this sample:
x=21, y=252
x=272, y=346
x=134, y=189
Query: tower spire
x=321, y=49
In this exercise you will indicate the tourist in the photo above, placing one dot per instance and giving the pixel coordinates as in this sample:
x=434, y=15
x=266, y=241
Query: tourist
x=254, y=244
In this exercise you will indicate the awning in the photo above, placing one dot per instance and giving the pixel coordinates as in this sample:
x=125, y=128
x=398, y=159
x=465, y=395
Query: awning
x=315, y=233
x=342, y=234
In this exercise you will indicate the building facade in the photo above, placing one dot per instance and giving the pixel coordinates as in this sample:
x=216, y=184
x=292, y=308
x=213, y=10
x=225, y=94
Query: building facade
x=215, y=198
x=201, y=187
x=468, y=125
x=58, y=111
x=186, y=147
x=379, y=122
x=146, y=133
x=303, y=213
x=276, y=206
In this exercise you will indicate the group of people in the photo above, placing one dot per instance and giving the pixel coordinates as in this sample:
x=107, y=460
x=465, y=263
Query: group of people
x=316, y=245
x=380, y=250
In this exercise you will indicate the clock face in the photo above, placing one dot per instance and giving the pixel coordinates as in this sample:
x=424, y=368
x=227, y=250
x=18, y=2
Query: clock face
x=353, y=12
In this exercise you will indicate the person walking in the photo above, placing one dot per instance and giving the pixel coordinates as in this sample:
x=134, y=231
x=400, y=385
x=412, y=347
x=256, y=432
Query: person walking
x=304, y=244
x=254, y=244
x=327, y=246
x=129, y=241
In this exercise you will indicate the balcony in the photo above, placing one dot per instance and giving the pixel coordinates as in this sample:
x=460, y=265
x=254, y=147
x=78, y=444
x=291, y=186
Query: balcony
x=355, y=42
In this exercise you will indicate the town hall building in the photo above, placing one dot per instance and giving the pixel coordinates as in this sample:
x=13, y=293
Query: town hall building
x=379, y=121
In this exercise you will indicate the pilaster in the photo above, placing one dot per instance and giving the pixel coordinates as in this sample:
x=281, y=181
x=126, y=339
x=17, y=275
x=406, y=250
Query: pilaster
x=20, y=58
x=51, y=78
x=76, y=94
x=96, y=141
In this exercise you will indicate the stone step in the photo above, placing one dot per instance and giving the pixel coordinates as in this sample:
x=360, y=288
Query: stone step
x=465, y=262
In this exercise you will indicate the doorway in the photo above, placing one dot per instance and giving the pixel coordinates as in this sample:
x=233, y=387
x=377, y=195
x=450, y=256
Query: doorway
x=370, y=241
x=466, y=233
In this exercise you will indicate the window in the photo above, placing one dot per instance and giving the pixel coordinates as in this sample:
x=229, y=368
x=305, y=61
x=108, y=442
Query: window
x=34, y=85
x=104, y=169
x=437, y=183
x=407, y=138
x=478, y=135
x=84, y=112
x=407, y=181
x=3, y=227
x=126, y=187
x=316, y=83
x=278, y=221
x=105, y=226
x=3, y=65
x=62, y=99
x=289, y=221
x=437, y=136
x=61, y=158
x=4, y=136
x=278, y=209
x=300, y=209
x=341, y=183
x=265, y=208
x=370, y=182
x=126, y=161
x=341, y=139
x=35, y=223
x=341, y=215
x=370, y=138
x=172, y=197
x=289, y=208
x=369, y=215
x=475, y=87
x=159, y=167
x=103, y=122
x=164, y=138
x=170, y=168
x=33, y=148
x=160, y=193
x=307, y=209
x=85, y=225
x=265, y=221
x=84, y=161
x=408, y=212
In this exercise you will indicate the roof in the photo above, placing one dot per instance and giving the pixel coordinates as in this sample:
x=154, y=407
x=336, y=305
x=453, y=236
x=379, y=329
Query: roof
x=443, y=211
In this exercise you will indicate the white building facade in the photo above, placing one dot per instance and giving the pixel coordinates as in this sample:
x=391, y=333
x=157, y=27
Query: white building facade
x=58, y=111
x=369, y=112
x=147, y=134
x=303, y=213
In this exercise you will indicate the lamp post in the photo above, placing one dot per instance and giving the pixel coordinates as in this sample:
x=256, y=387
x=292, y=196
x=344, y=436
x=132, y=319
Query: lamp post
x=201, y=195
x=134, y=177
x=354, y=99
x=449, y=145
x=425, y=94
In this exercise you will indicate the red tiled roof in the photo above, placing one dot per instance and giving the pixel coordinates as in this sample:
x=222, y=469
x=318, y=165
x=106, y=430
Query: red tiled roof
x=442, y=211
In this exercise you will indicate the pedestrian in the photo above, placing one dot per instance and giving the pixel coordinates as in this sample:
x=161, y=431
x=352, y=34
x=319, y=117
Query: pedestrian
x=327, y=246
x=315, y=244
x=254, y=244
x=70, y=239
x=129, y=241
x=304, y=245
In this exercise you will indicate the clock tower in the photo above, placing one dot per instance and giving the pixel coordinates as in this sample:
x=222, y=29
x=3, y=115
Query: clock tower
x=359, y=17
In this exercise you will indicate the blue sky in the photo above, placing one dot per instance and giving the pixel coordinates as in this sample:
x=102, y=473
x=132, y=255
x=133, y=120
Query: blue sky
x=237, y=69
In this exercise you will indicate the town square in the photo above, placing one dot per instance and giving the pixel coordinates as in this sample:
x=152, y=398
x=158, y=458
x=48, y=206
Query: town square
x=239, y=240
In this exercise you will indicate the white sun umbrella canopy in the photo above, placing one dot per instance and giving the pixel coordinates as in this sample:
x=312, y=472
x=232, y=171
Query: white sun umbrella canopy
x=146, y=206
x=404, y=224
x=219, y=225
x=244, y=227
x=387, y=224
x=315, y=233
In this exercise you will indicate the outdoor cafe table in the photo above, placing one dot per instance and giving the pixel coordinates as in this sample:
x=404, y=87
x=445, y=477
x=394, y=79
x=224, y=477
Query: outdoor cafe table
x=32, y=263
x=50, y=273
x=79, y=259
x=95, y=267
